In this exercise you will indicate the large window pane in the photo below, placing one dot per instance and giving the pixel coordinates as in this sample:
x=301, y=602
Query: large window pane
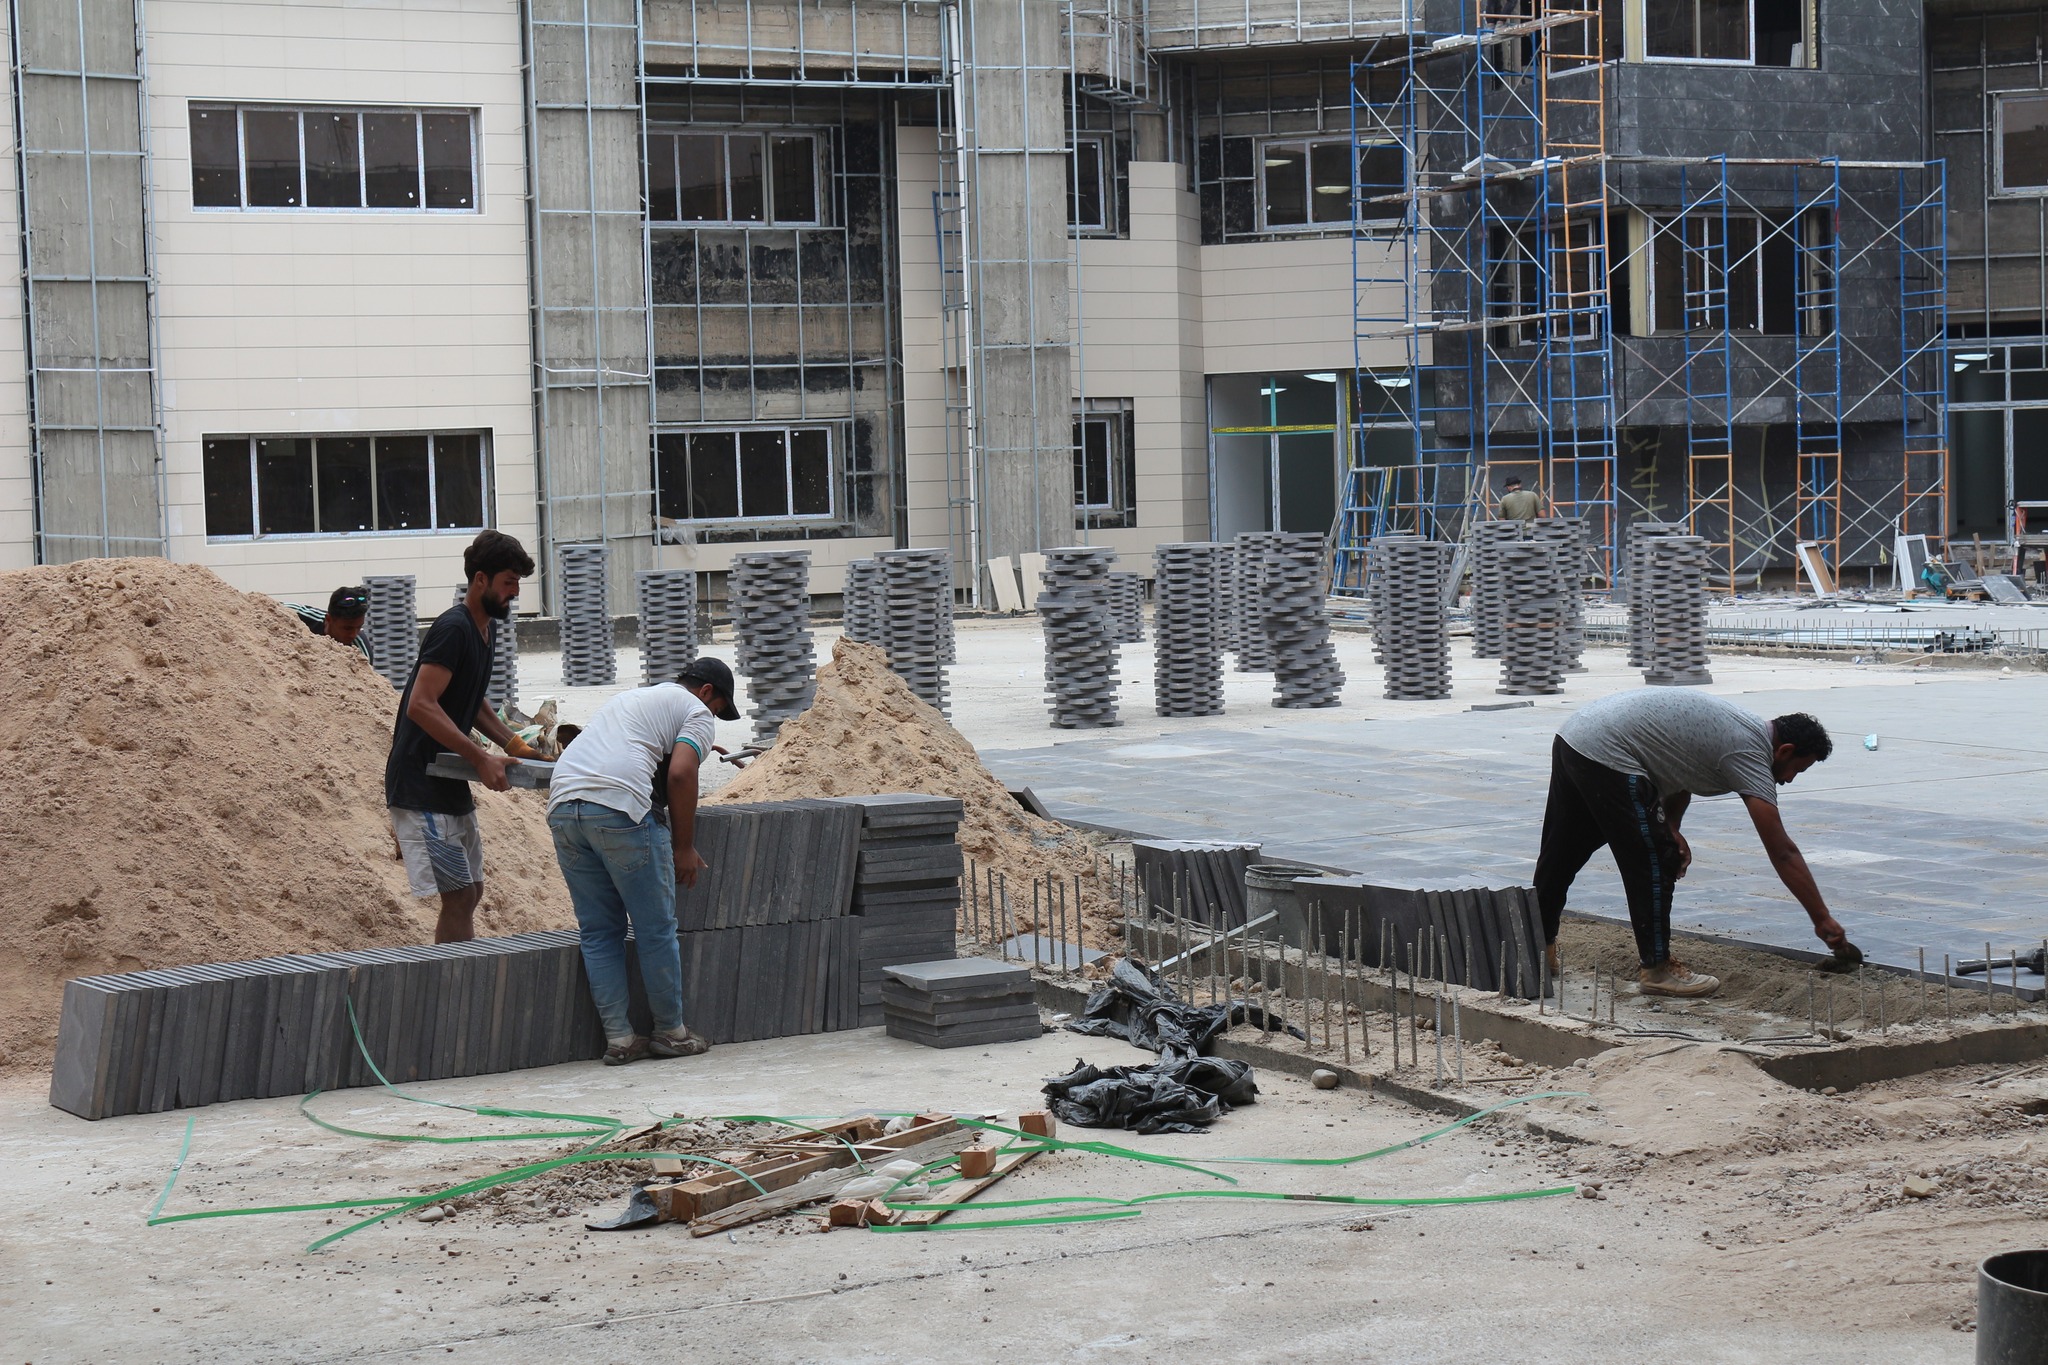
x=744, y=152
x=1084, y=188
x=1743, y=275
x=345, y=485
x=1667, y=277
x=459, y=482
x=216, y=160
x=229, y=504
x=764, y=475
x=810, y=462
x=661, y=178
x=391, y=159
x=1092, y=447
x=284, y=487
x=1669, y=28
x=402, y=484
x=334, y=164
x=700, y=178
x=1724, y=29
x=450, y=182
x=795, y=163
x=714, y=476
x=1286, y=184
x=270, y=149
x=672, y=477
x=2023, y=144
x=1381, y=171
x=1330, y=182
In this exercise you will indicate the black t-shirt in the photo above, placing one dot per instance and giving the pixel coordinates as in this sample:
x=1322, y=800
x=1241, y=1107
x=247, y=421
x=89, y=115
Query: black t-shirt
x=452, y=642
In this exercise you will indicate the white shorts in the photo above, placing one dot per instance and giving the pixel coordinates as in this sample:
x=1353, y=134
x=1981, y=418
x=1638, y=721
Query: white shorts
x=443, y=853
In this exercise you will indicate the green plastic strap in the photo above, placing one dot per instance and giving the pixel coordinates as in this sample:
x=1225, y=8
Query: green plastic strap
x=1402, y=1146
x=438, y=1139
x=1129, y=1207
x=176, y=1166
x=1007, y=1222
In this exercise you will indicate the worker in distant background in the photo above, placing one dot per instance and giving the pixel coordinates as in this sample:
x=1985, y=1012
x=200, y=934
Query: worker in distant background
x=342, y=622
x=621, y=865
x=1515, y=505
x=435, y=817
x=1622, y=773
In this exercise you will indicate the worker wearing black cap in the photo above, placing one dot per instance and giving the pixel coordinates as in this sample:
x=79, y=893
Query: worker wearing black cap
x=342, y=622
x=621, y=865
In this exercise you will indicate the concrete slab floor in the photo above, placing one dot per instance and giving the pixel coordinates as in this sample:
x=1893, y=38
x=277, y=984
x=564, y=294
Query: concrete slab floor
x=1569, y=1279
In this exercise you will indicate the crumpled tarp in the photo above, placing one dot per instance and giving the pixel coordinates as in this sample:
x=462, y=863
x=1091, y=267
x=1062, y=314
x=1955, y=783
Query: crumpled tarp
x=1184, y=1091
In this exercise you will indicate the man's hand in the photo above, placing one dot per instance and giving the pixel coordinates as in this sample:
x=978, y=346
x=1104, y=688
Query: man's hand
x=688, y=864
x=1829, y=932
x=1684, y=854
x=519, y=748
x=490, y=770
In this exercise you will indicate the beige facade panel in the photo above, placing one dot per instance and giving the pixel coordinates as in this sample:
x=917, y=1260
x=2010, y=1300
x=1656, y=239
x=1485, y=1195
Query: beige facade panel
x=902, y=34
x=1196, y=25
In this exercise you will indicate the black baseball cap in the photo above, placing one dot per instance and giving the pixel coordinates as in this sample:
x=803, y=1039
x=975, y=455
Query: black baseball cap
x=713, y=671
x=347, y=604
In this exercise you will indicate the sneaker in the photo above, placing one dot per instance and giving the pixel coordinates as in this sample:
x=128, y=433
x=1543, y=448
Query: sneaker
x=1675, y=978
x=684, y=1044
x=630, y=1050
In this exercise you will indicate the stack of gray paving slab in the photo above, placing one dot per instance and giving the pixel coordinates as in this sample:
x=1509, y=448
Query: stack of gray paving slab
x=1673, y=594
x=1569, y=535
x=1489, y=600
x=667, y=599
x=769, y=592
x=583, y=587
x=915, y=625
x=1126, y=609
x=860, y=602
x=1491, y=939
x=393, y=625
x=1202, y=879
x=906, y=890
x=1297, y=619
x=1080, y=657
x=1532, y=642
x=1226, y=596
x=1377, y=598
x=1251, y=566
x=1636, y=561
x=1414, y=623
x=503, y=689
x=1187, y=649
x=960, y=1002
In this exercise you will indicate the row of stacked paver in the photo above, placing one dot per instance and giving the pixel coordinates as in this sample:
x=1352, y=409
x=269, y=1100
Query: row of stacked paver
x=860, y=602
x=965, y=1002
x=1198, y=879
x=1250, y=565
x=790, y=930
x=1491, y=939
x=1636, y=571
x=1187, y=629
x=913, y=619
x=769, y=594
x=583, y=592
x=1570, y=535
x=1489, y=585
x=1126, y=594
x=1672, y=594
x=393, y=625
x=667, y=601
x=1297, y=623
x=1532, y=618
x=1411, y=619
x=1080, y=653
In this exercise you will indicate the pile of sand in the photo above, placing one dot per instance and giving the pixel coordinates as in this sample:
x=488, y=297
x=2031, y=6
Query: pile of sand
x=192, y=777
x=867, y=734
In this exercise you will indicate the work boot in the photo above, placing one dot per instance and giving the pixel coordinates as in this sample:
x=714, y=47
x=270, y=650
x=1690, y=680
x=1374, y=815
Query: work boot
x=681, y=1043
x=1672, y=977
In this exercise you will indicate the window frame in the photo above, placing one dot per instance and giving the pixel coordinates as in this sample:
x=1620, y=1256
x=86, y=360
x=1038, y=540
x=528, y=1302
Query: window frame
x=1308, y=142
x=419, y=113
x=1636, y=38
x=1668, y=227
x=834, y=442
x=2002, y=190
x=821, y=179
x=254, y=440
x=1642, y=7
x=1114, y=417
x=1104, y=151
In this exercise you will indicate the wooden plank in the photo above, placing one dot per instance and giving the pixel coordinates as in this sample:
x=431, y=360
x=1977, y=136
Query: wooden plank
x=694, y=1199
x=958, y=1193
x=822, y=1185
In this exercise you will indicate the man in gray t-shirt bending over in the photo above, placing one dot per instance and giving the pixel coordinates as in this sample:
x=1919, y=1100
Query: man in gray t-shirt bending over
x=1623, y=771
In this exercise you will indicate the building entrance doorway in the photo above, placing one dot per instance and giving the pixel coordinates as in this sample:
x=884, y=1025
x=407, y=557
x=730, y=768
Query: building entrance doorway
x=1276, y=452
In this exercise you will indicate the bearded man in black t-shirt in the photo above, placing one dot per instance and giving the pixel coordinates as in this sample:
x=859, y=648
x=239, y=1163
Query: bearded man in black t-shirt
x=435, y=817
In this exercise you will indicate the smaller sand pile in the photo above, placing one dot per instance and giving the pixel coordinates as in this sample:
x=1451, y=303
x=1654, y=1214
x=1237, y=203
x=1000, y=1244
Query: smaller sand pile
x=867, y=734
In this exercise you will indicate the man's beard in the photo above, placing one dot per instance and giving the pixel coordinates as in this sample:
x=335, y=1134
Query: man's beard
x=497, y=608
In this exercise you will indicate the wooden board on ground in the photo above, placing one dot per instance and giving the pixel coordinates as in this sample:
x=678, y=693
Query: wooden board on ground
x=953, y=1196
x=687, y=1201
x=818, y=1186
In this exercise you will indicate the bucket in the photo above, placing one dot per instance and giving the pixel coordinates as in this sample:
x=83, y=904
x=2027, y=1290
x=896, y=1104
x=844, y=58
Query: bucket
x=2012, y=1309
x=1269, y=888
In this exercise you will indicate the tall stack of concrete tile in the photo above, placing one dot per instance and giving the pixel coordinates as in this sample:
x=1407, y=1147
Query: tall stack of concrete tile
x=860, y=601
x=1489, y=939
x=915, y=625
x=1377, y=596
x=583, y=587
x=1297, y=618
x=1201, y=879
x=393, y=625
x=667, y=599
x=1080, y=659
x=787, y=931
x=1636, y=562
x=967, y=1002
x=1532, y=642
x=1126, y=609
x=1489, y=599
x=1187, y=673
x=1414, y=625
x=1251, y=565
x=503, y=688
x=1226, y=597
x=771, y=612
x=1673, y=594
x=1569, y=535
x=906, y=889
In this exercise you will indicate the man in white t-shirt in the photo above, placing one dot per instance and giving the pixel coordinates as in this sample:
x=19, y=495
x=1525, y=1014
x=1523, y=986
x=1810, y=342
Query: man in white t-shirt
x=622, y=865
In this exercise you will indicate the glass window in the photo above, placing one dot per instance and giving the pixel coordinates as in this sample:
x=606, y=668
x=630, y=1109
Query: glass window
x=1092, y=464
x=334, y=163
x=700, y=175
x=1382, y=170
x=1286, y=177
x=230, y=501
x=1329, y=177
x=810, y=468
x=391, y=161
x=216, y=159
x=1084, y=186
x=764, y=474
x=261, y=156
x=661, y=179
x=403, y=498
x=459, y=482
x=1697, y=30
x=714, y=476
x=744, y=177
x=2023, y=144
x=1707, y=272
x=345, y=501
x=795, y=164
x=672, y=476
x=733, y=178
x=270, y=154
x=450, y=179
x=748, y=474
x=284, y=486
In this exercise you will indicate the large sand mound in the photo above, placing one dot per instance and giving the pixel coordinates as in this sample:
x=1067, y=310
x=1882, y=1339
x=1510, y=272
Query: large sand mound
x=191, y=777
x=868, y=733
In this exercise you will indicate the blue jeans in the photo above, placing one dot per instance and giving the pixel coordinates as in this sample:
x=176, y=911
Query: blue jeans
x=622, y=872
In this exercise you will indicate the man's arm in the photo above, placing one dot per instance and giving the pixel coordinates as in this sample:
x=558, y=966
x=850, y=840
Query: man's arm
x=1674, y=812
x=683, y=763
x=1790, y=865
x=425, y=711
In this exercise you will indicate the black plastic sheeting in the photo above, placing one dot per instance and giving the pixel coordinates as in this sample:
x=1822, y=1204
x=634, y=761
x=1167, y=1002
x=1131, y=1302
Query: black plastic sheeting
x=1184, y=1091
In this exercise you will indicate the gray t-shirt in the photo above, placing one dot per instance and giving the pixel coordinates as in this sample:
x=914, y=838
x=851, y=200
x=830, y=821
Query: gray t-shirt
x=1682, y=740
x=613, y=761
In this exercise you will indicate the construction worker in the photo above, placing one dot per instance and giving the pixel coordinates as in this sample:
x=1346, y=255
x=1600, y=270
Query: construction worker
x=342, y=622
x=621, y=865
x=435, y=817
x=1516, y=505
x=1622, y=773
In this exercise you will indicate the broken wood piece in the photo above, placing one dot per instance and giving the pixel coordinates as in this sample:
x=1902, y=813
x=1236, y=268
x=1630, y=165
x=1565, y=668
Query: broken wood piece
x=977, y=1161
x=845, y=1213
x=1038, y=1122
x=879, y=1212
x=695, y=1198
x=822, y=1185
x=952, y=1196
x=668, y=1167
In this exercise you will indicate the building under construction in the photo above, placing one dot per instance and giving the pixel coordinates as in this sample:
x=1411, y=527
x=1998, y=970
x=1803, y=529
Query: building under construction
x=311, y=292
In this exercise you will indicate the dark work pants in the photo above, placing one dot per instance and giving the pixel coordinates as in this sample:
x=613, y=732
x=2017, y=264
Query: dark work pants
x=1591, y=805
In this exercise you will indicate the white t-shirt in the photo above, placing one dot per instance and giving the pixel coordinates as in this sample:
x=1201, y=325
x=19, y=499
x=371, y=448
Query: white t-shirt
x=614, y=760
